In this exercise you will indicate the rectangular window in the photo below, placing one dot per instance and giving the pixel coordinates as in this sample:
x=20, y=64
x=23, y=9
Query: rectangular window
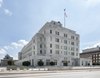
x=76, y=38
x=40, y=38
x=72, y=48
x=57, y=40
x=57, y=51
x=76, y=49
x=56, y=32
x=50, y=31
x=65, y=35
x=72, y=43
x=65, y=52
x=72, y=53
x=40, y=45
x=65, y=47
x=33, y=47
x=57, y=46
x=50, y=51
x=50, y=45
x=40, y=51
x=77, y=54
x=65, y=41
x=72, y=37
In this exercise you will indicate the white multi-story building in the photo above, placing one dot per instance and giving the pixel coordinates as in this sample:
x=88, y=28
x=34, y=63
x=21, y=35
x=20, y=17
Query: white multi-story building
x=52, y=43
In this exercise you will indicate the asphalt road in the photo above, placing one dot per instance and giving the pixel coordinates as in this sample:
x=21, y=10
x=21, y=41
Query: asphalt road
x=58, y=74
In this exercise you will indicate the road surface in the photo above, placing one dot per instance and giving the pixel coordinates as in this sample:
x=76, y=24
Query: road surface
x=56, y=74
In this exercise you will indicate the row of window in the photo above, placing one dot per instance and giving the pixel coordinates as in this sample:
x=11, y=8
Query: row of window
x=58, y=47
x=58, y=40
x=65, y=41
x=65, y=35
x=58, y=52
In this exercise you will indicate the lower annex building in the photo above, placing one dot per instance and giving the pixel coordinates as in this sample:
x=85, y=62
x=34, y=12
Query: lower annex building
x=53, y=43
x=93, y=54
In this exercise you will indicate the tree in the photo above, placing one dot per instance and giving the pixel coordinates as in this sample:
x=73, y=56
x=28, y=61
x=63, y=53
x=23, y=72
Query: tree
x=52, y=63
x=40, y=63
x=26, y=63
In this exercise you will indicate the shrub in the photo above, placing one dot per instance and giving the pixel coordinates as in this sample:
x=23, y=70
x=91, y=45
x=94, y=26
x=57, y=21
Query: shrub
x=52, y=63
x=26, y=63
x=40, y=63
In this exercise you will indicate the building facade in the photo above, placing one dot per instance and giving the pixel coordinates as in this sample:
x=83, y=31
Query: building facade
x=92, y=53
x=85, y=62
x=5, y=60
x=53, y=43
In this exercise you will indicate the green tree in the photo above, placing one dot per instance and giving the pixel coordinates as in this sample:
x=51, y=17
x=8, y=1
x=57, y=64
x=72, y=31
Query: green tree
x=26, y=63
x=52, y=63
x=40, y=63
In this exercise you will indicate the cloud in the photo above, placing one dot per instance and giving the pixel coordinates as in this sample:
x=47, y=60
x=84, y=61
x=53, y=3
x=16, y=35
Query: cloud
x=86, y=3
x=8, y=12
x=1, y=2
x=13, y=48
x=93, y=45
x=3, y=51
x=92, y=2
x=19, y=44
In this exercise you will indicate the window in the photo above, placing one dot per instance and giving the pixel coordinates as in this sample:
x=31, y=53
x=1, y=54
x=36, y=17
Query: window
x=57, y=46
x=50, y=31
x=50, y=51
x=76, y=38
x=40, y=51
x=65, y=35
x=72, y=53
x=65, y=52
x=57, y=51
x=34, y=41
x=72, y=37
x=48, y=62
x=57, y=40
x=33, y=47
x=65, y=41
x=65, y=47
x=72, y=43
x=56, y=32
x=72, y=48
x=40, y=45
x=76, y=54
x=40, y=39
x=77, y=44
x=76, y=49
x=50, y=45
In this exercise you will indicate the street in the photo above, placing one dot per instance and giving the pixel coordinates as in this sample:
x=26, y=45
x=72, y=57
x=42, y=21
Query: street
x=57, y=74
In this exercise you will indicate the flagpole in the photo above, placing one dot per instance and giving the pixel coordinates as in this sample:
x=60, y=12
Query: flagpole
x=64, y=18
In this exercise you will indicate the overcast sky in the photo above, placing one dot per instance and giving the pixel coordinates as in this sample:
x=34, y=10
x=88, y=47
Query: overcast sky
x=21, y=19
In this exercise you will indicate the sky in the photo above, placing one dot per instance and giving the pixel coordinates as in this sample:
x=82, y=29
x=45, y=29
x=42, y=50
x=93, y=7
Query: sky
x=21, y=19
